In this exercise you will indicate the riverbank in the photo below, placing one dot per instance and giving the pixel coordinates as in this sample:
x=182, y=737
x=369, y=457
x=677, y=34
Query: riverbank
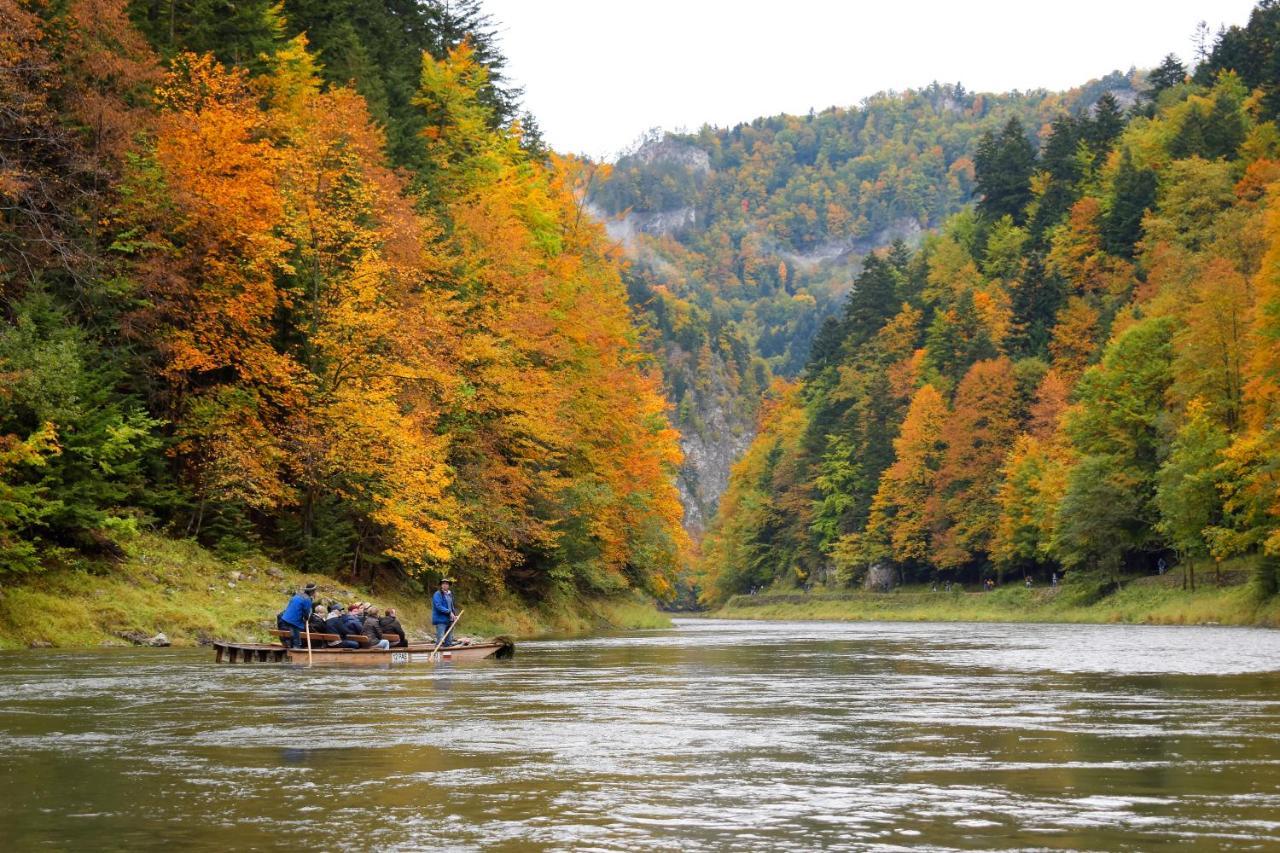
x=1157, y=600
x=191, y=596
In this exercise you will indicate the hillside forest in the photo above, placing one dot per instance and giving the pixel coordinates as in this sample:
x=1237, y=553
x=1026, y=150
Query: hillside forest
x=297, y=279
x=1080, y=372
x=743, y=240
x=301, y=279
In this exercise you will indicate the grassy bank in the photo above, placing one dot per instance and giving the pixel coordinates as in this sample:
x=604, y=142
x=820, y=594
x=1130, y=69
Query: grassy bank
x=184, y=591
x=1154, y=600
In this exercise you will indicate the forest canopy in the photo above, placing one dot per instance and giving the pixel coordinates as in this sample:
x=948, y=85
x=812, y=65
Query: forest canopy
x=1076, y=373
x=363, y=328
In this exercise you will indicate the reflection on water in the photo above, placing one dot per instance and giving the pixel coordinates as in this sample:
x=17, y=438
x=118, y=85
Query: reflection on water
x=718, y=735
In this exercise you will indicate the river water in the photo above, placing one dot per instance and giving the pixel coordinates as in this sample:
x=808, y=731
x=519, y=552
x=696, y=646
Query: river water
x=711, y=736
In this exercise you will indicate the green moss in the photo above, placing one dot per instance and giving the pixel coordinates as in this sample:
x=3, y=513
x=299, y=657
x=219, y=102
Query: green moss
x=178, y=588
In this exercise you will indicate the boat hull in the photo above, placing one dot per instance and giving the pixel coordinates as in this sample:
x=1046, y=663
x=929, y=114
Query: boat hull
x=227, y=652
x=401, y=656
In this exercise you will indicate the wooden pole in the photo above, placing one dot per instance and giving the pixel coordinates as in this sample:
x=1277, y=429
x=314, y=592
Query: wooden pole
x=307, y=629
x=436, y=651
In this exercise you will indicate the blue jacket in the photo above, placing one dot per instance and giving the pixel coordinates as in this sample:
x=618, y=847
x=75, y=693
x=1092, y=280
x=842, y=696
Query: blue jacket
x=352, y=625
x=297, y=611
x=441, y=608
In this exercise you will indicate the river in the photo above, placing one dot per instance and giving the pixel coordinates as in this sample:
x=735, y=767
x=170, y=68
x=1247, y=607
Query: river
x=711, y=736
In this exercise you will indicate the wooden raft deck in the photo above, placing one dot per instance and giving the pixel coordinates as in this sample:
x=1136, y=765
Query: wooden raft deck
x=225, y=652
x=229, y=652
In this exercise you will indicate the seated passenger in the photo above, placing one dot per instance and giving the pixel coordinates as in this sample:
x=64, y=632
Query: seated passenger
x=335, y=624
x=353, y=622
x=391, y=625
x=373, y=630
x=316, y=623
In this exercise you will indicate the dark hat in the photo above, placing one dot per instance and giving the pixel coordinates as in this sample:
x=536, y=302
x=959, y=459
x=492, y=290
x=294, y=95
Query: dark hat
x=309, y=589
x=446, y=580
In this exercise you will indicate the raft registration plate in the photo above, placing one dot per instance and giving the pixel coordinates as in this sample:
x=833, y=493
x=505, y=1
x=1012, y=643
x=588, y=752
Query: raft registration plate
x=399, y=657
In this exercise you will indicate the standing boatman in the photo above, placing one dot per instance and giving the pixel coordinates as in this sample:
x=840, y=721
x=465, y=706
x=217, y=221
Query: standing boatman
x=442, y=613
x=296, y=613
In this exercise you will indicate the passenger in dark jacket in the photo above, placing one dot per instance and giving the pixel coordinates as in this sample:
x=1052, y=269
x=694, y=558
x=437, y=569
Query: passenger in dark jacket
x=352, y=623
x=391, y=625
x=316, y=624
x=373, y=630
x=335, y=624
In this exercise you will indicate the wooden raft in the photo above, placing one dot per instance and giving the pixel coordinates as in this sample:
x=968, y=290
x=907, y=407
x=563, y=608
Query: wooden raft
x=230, y=652
x=225, y=652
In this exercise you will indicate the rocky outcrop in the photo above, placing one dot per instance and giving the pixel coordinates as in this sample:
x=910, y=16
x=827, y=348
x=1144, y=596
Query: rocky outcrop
x=709, y=455
x=661, y=223
x=881, y=577
x=668, y=149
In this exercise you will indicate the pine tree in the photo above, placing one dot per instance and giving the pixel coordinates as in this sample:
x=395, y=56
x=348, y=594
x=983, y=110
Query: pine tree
x=1133, y=194
x=872, y=301
x=1226, y=127
x=1003, y=165
x=1105, y=125
x=1061, y=168
x=1190, y=139
x=1169, y=73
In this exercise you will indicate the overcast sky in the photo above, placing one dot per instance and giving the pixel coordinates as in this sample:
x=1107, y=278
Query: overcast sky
x=598, y=73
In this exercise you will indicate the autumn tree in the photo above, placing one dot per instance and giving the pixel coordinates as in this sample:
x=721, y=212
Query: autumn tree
x=983, y=423
x=1108, y=509
x=899, y=525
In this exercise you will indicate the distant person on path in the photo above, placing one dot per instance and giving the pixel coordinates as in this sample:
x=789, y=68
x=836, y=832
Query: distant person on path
x=442, y=611
x=1028, y=581
x=1053, y=580
x=296, y=613
x=1161, y=566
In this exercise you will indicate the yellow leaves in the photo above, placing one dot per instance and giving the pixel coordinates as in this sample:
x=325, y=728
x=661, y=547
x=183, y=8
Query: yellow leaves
x=32, y=450
x=464, y=385
x=951, y=272
x=1211, y=349
x=459, y=143
x=1075, y=338
x=898, y=527
x=995, y=312
x=294, y=81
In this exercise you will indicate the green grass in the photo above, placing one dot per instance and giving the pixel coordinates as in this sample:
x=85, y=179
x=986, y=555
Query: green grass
x=193, y=596
x=1083, y=598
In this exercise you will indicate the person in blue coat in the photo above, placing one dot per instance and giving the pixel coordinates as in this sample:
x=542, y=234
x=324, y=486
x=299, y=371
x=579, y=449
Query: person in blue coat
x=442, y=612
x=296, y=613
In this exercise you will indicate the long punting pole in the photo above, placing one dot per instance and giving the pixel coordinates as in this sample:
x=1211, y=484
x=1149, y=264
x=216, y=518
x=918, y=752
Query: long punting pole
x=436, y=651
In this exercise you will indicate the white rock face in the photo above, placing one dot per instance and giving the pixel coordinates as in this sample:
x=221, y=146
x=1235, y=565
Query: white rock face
x=661, y=223
x=709, y=454
x=668, y=150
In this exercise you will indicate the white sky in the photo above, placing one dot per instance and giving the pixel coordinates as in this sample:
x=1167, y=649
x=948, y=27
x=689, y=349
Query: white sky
x=598, y=73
